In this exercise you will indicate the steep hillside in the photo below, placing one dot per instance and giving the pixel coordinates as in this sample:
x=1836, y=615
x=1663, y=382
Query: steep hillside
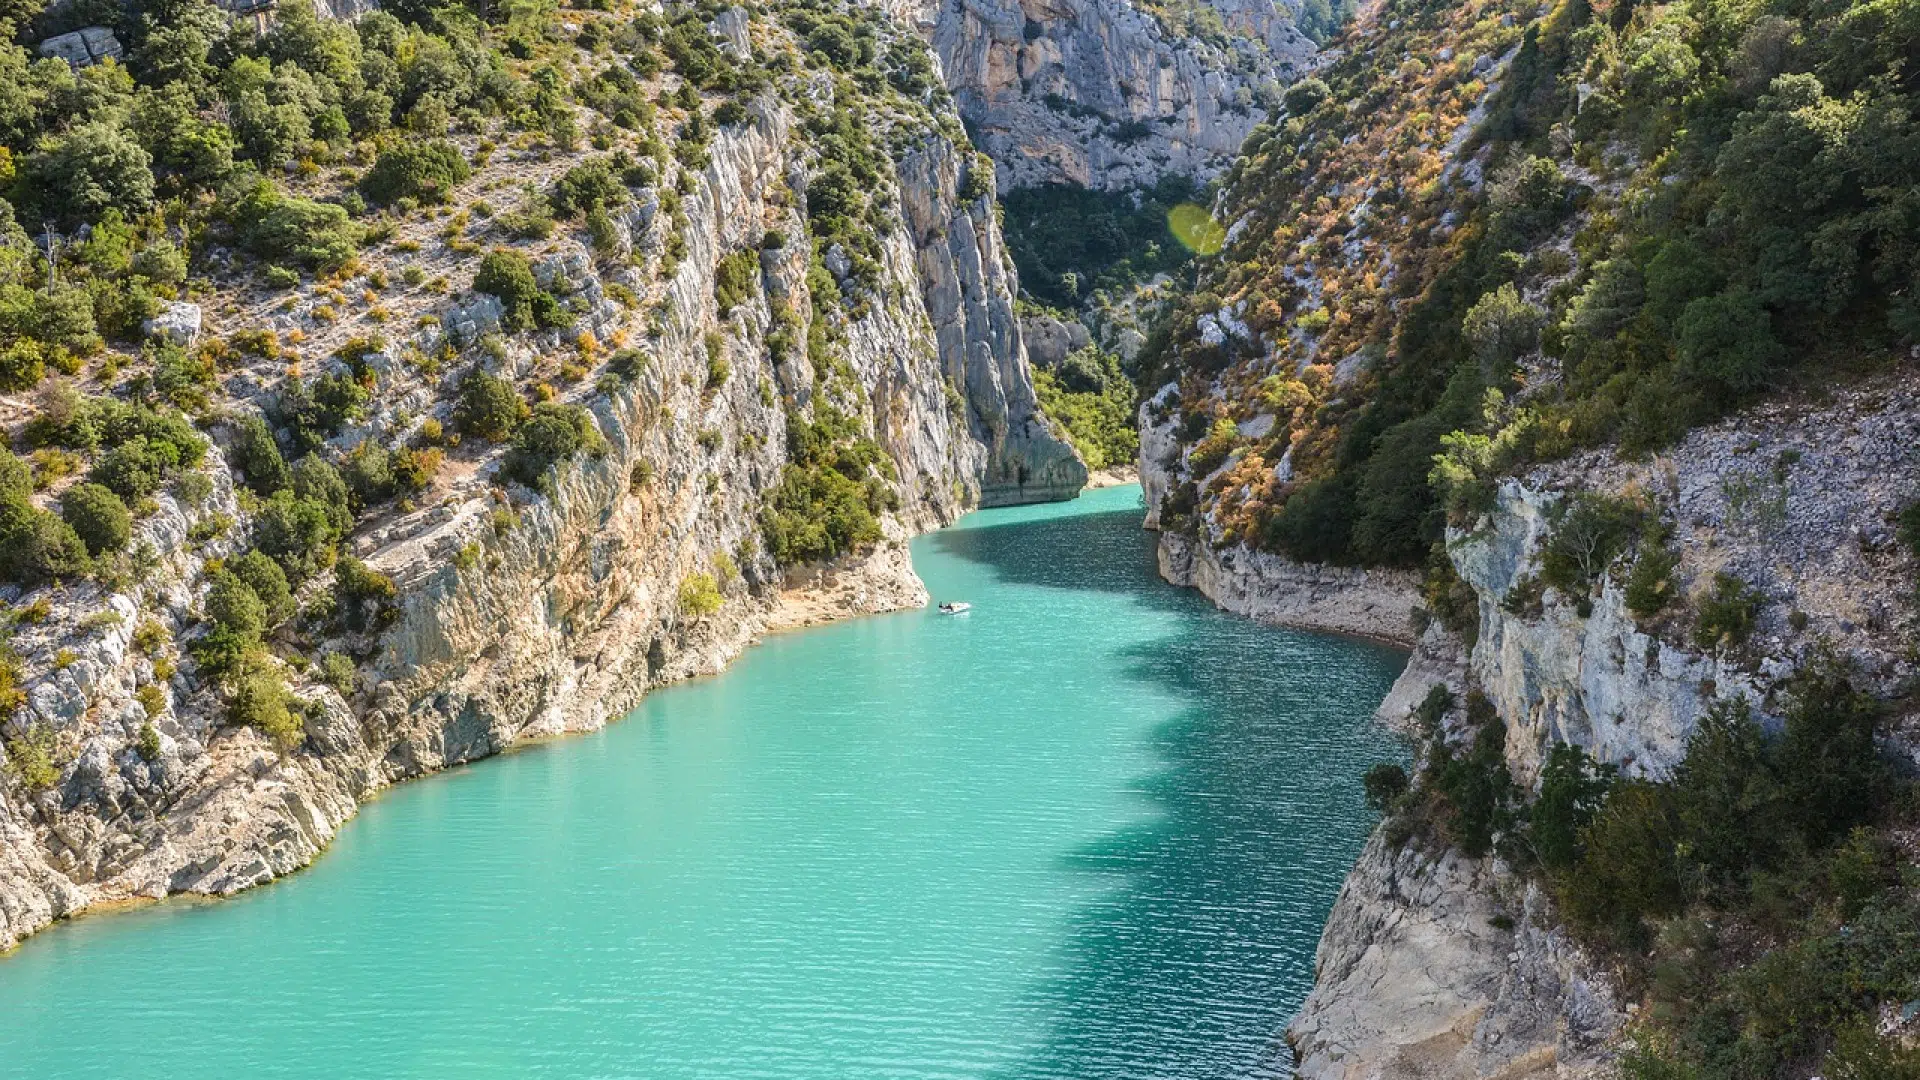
x=562, y=355
x=1596, y=318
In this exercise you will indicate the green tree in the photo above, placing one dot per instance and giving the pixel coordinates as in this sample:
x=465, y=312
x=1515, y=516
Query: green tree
x=1502, y=327
x=1726, y=344
x=98, y=518
x=94, y=168
x=489, y=407
x=232, y=605
x=427, y=172
x=257, y=455
x=269, y=583
x=506, y=275
x=1573, y=787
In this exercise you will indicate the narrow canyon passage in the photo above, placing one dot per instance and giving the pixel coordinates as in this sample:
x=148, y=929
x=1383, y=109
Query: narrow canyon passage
x=1091, y=828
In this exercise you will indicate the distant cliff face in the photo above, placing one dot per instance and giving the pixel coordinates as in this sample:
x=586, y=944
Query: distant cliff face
x=1107, y=94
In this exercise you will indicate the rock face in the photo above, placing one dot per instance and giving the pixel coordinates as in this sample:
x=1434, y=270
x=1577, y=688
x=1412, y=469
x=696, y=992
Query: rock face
x=1271, y=589
x=1051, y=340
x=178, y=323
x=559, y=612
x=1599, y=682
x=84, y=47
x=1102, y=93
x=1434, y=966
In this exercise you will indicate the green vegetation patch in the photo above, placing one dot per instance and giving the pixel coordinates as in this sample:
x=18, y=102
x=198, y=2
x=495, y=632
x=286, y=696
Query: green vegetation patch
x=1093, y=399
x=1069, y=241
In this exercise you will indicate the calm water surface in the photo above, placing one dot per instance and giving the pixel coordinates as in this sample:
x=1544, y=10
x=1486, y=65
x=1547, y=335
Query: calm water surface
x=1088, y=830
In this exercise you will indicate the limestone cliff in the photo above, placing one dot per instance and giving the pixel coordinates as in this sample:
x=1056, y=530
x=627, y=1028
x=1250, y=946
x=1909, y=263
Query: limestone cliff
x=1436, y=965
x=1109, y=93
x=521, y=613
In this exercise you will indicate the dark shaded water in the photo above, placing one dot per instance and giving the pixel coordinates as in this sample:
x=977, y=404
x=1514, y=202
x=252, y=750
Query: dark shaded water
x=1090, y=829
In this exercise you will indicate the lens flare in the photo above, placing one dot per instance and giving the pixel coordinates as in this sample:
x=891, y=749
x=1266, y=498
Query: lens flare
x=1196, y=229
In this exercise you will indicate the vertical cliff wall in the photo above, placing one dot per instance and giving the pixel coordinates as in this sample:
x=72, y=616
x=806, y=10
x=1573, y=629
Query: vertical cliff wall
x=1108, y=93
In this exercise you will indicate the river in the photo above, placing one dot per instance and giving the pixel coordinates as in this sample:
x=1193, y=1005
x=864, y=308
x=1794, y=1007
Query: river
x=1089, y=829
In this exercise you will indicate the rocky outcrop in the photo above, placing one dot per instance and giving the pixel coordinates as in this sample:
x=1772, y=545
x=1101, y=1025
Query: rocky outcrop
x=1051, y=339
x=1598, y=681
x=524, y=614
x=1434, y=966
x=1273, y=589
x=1105, y=94
x=1796, y=498
x=967, y=286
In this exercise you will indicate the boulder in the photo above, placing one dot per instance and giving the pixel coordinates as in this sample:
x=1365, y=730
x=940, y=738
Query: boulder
x=729, y=28
x=1051, y=340
x=84, y=47
x=178, y=323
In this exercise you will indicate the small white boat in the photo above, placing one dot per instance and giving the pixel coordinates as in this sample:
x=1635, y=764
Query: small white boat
x=955, y=608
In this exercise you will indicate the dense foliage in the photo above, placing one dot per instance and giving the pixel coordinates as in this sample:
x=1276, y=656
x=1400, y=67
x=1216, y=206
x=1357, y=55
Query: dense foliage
x=1758, y=897
x=831, y=493
x=1683, y=207
x=1068, y=241
x=1094, y=400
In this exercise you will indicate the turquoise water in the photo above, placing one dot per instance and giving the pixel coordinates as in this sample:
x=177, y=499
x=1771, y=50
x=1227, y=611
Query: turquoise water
x=1089, y=829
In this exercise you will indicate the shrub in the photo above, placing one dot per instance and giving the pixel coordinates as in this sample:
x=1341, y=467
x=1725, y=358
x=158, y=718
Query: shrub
x=1908, y=527
x=36, y=546
x=489, y=407
x=1502, y=327
x=317, y=410
x=1728, y=613
x=233, y=606
x=368, y=472
x=319, y=236
x=365, y=597
x=134, y=469
x=426, y=172
x=94, y=168
x=98, y=518
x=554, y=434
x=1726, y=344
x=1573, y=787
x=256, y=453
x=816, y=514
x=269, y=584
x=1385, y=784
x=736, y=280
x=587, y=185
x=147, y=745
x=30, y=757
x=699, y=596
x=1626, y=873
x=297, y=533
x=338, y=671
x=1650, y=587
x=1477, y=788
x=260, y=700
x=1590, y=531
x=508, y=275
x=1305, y=95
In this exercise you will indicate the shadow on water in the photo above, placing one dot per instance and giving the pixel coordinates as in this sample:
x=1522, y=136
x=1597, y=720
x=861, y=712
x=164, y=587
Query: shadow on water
x=1190, y=965
x=1108, y=552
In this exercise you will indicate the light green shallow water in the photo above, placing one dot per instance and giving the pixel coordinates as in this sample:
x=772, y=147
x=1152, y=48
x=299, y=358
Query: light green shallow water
x=1090, y=829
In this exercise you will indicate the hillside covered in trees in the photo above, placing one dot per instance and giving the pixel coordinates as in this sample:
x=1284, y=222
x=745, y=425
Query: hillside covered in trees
x=1621, y=219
